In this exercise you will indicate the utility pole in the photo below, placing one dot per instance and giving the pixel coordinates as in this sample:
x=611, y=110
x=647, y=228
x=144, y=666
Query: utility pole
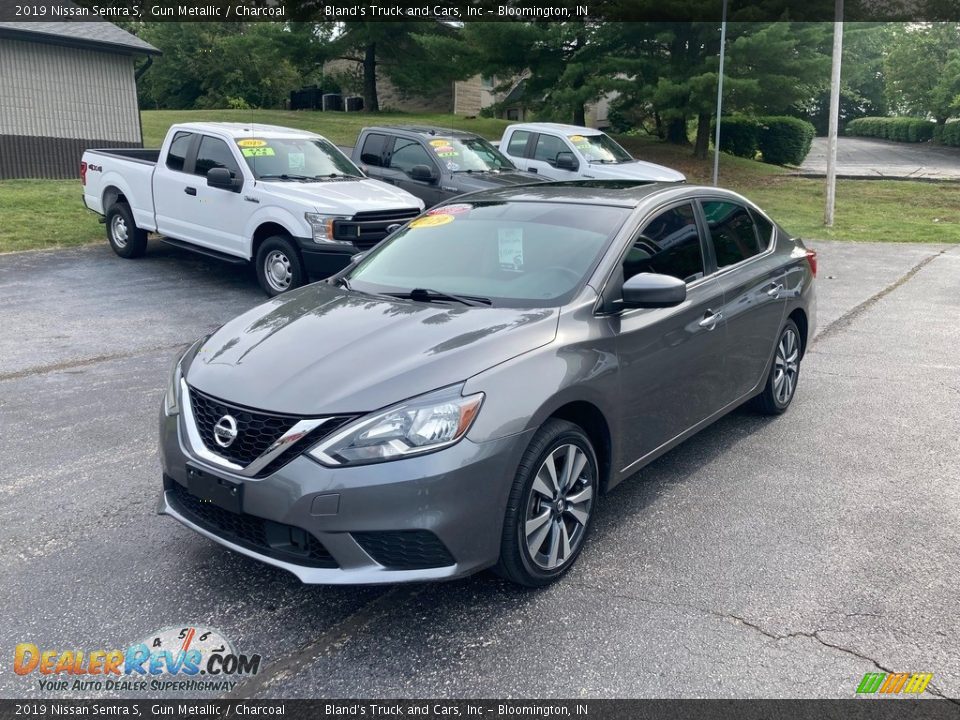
x=716, y=139
x=834, y=115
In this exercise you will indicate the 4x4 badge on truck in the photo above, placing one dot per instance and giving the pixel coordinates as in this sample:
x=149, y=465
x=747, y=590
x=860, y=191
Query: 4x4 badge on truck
x=225, y=431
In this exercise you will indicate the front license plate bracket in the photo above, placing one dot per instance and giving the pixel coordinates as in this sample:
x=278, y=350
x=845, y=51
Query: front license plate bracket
x=222, y=492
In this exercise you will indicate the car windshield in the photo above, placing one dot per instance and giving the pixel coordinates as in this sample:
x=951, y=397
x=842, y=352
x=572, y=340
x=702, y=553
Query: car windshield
x=469, y=155
x=291, y=159
x=600, y=149
x=512, y=254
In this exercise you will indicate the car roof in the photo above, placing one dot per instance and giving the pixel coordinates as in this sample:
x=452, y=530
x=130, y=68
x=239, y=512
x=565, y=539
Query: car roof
x=620, y=193
x=242, y=130
x=423, y=130
x=557, y=128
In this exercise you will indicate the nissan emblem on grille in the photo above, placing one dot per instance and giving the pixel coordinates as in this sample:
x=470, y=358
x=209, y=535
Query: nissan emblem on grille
x=225, y=431
x=393, y=227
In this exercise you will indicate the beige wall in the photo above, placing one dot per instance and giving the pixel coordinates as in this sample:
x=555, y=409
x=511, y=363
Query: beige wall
x=391, y=98
x=64, y=92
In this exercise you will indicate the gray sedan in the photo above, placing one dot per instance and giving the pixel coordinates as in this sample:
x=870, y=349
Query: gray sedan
x=462, y=396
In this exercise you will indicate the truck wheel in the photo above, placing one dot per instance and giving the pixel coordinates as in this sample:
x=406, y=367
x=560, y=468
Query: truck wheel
x=126, y=239
x=279, y=267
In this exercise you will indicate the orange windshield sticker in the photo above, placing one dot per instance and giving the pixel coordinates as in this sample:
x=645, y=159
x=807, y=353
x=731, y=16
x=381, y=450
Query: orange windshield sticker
x=431, y=221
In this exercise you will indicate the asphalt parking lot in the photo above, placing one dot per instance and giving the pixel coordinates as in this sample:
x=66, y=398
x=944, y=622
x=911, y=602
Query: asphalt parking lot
x=763, y=558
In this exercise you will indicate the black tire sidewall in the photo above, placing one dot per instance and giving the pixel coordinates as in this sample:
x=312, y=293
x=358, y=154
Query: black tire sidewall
x=548, y=438
x=136, y=238
x=279, y=242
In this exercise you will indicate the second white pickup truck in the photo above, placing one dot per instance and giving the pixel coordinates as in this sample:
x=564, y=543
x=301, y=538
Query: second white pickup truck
x=571, y=152
x=286, y=199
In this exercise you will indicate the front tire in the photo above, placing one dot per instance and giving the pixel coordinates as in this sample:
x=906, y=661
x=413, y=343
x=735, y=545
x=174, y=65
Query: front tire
x=279, y=267
x=126, y=239
x=550, y=505
x=784, y=374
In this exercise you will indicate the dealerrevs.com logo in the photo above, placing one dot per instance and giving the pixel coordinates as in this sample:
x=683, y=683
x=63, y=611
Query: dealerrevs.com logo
x=188, y=659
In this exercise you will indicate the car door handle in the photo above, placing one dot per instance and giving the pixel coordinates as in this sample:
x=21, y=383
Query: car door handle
x=710, y=320
x=190, y=191
x=775, y=290
x=533, y=170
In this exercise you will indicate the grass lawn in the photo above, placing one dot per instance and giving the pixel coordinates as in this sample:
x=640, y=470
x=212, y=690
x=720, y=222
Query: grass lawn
x=50, y=213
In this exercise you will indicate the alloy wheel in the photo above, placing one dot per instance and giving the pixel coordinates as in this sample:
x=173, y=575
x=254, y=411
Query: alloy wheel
x=559, y=507
x=787, y=366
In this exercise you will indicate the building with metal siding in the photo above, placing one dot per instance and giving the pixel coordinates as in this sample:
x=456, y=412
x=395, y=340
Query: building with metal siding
x=65, y=87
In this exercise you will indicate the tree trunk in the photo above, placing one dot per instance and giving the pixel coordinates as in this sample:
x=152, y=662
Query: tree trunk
x=579, y=114
x=371, y=103
x=703, y=136
x=677, y=131
x=658, y=124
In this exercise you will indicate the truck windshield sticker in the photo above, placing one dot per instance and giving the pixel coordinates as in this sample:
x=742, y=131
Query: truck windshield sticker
x=510, y=242
x=257, y=151
x=251, y=143
x=443, y=148
x=296, y=161
x=431, y=221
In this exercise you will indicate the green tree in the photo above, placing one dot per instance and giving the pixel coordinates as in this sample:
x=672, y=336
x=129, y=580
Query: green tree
x=923, y=70
x=252, y=64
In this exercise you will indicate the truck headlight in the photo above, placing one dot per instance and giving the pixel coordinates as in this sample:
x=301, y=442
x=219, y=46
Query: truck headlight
x=322, y=227
x=423, y=424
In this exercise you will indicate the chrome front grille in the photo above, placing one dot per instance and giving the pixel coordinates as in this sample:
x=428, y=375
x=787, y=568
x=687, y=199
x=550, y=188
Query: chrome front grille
x=263, y=443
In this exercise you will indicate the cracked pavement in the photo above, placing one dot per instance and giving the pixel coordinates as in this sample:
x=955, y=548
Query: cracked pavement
x=763, y=558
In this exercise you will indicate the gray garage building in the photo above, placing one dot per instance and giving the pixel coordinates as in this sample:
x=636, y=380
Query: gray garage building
x=65, y=87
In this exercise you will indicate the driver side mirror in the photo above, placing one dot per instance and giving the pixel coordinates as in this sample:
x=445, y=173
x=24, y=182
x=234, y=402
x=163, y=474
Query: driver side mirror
x=222, y=178
x=651, y=290
x=423, y=173
x=566, y=161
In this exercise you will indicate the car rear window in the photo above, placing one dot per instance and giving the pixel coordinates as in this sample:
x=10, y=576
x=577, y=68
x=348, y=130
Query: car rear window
x=177, y=154
x=732, y=232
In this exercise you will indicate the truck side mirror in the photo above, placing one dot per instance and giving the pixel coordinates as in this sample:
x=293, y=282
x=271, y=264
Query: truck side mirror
x=223, y=179
x=566, y=161
x=422, y=173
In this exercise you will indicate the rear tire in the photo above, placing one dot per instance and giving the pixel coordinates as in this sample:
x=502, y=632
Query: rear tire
x=126, y=239
x=279, y=267
x=548, y=512
x=781, y=386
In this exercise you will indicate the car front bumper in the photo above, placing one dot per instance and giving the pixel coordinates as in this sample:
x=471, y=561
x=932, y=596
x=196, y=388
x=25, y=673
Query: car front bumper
x=436, y=516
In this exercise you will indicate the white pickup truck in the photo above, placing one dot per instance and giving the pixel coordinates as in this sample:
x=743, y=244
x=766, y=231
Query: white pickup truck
x=286, y=199
x=571, y=152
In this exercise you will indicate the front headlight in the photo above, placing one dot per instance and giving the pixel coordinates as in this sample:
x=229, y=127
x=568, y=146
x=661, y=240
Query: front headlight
x=171, y=400
x=420, y=425
x=322, y=227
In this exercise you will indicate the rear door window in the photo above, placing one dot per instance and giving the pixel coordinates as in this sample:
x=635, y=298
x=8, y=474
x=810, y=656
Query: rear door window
x=518, y=143
x=177, y=154
x=668, y=244
x=732, y=232
x=764, y=229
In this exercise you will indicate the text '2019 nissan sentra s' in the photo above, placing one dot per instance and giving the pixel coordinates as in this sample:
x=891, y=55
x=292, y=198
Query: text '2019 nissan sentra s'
x=461, y=397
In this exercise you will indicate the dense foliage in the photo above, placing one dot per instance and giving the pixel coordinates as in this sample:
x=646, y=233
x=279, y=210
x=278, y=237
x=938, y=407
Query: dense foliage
x=902, y=129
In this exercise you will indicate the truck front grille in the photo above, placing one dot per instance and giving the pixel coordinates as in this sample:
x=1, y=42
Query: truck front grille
x=366, y=229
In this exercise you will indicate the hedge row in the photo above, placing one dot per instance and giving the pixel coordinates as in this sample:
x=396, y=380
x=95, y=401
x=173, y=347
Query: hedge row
x=948, y=134
x=901, y=129
x=782, y=140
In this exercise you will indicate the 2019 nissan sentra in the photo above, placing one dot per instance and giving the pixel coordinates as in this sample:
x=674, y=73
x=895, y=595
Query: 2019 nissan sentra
x=462, y=396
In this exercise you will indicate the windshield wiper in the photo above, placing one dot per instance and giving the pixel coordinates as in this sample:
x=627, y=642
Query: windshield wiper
x=427, y=295
x=335, y=176
x=285, y=176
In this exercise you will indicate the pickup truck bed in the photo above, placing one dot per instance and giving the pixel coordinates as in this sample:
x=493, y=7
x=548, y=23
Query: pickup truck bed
x=144, y=155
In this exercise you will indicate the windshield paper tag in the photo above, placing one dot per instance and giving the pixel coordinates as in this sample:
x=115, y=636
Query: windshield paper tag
x=431, y=221
x=296, y=161
x=257, y=151
x=458, y=209
x=510, y=242
x=251, y=143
